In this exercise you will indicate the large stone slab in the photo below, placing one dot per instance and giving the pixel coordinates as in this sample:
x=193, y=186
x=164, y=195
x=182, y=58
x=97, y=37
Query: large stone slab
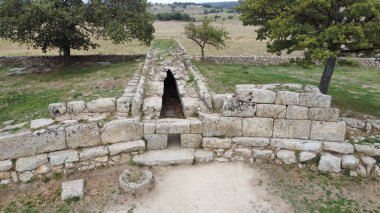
x=299, y=129
x=57, y=109
x=196, y=126
x=156, y=141
x=13, y=146
x=286, y=156
x=270, y=111
x=328, y=131
x=30, y=163
x=102, y=105
x=72, y=189
x=93, y=152
x=297, y=112
x=75, y=107
x=323, y=114
x=296, y=144
x=236, y=108
x=350, y=161
x=123, y=104
x=51, y=139
x=330, y=163
x=65, y=156
x=218, y=100
x=203, y=156
x=258, y=127
x=371, y=150
x=316, y=100
x=122, y=130
x=191, y=140
x=339, y=147
x=255, y=95
x=130, y=146
x=172, y=126
x=215, y=125
x=251, y=141
x=165, y=157
x=287, y=98
x=218, y=143
x=82, y=135
x=39, y=123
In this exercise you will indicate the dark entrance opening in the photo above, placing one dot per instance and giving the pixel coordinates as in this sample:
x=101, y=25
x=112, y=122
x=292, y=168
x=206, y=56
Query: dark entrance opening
x=171, y=104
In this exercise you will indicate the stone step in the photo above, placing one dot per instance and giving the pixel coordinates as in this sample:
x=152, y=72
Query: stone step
x=164, y=157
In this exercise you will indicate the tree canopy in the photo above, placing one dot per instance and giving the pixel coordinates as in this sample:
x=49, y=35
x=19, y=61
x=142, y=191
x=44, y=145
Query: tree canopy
x=72, y=24
x=323, y=29
x=206, y=34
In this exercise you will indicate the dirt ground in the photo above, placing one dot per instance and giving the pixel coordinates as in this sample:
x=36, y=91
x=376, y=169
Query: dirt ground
x=214, y=187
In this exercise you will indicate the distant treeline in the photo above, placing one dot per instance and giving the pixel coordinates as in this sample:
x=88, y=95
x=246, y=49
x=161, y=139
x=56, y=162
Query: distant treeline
x=176, y=16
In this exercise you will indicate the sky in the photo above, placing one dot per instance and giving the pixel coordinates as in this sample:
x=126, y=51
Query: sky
x=195, y=1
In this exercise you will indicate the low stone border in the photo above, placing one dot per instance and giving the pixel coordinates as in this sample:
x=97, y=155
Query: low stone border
x=144, y=180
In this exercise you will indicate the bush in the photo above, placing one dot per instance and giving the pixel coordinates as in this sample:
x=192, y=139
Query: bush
x=177, y=16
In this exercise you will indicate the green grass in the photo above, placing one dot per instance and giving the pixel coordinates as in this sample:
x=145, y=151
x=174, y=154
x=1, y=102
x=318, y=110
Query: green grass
x=353, y=89
x=165, y=44
x=23, y=98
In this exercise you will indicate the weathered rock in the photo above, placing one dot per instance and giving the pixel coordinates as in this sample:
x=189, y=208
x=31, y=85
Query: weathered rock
x=270, y=111
x=328, y=131
x=30, y=163
x=172, y=126
x=306, y=156
x=57, y=109
x=296, y=144
x=255, y=95
x=82, y=135
x=4, y=175
x=262, y=154
x=38, y=123
x=72, y=189
x=369, y=163
x=102, y=159
x=258, y=127
x=123, y=104
x=203, y=156
x=5, y=165
x=215, y=125
x=243, y=152
x=292, y=129
x=287, y=98
x=102, y=105
x=316, y=100
x=349, y=162
x=130, y=146
x=93, y=152
x=361, y=171
x=75, y=107
x=65, y=156
x=323, y=114
x=149, y=128
x=51, y=139
x=195, y=126
x=311, y=89
x=122, y=130
x=223, y=143
x=25, y=176
x=152, y=106
x=377, y=171
x=344, y=148
x=329, y=163
x=165, y=157
x=43, y=169
x=375, y=124
x=297, y=112
x=14, y=177
x=286, y=156
x=236, y=108
x=17, y=145
x=353, y=123
x=371, y=150
x=191, y=140
x=251, y=141
x=190, y=106
x=217, y=101
x=156, y=141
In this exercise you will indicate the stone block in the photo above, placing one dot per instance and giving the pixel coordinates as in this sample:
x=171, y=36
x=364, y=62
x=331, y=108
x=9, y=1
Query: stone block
x=65, y=156
x=369, y=162
x=191, y=140
x=255, y=95
x=236, y=108
x=13, y=146
x=195, y=126
x=218, y=143
x=51, y=139
x=316, y=100
x=5, y=165
x=371, y=150
x=149, y=128
x=286, y=156
x=251, y=141
x=39, y=123
x=25, y=176
x=328, y=131
x=270, y=111
x=306, y=156
x=57, y=109
x=82, y=135
x=75, y=107
x=203, y=156
x=156, y=141
x=30, y=163
x=93, y=152
x=330, y=163
x=123, y=104
x=243, y=152
x=72, y=189
x=102, y=105
x=323, y=114
x=353, y=123
x=349, y=162
x=339, y=147
x=172, y=126
x=217, y=101
x=296, y=144
x=311, y=89
x=4, y=175
x=287, y=98
x=122, y=130
x=297, y=112
x=258, y=127
x=262, y=154
x=130, y=146
x=43, y=169
x=299, y=129
x=215, y=125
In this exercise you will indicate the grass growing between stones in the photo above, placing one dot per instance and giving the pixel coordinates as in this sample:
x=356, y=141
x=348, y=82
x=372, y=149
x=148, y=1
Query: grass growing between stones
x=355, y=90
x=26, y=97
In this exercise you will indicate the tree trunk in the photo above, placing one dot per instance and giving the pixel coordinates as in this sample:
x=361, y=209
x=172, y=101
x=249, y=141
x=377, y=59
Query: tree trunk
x=327, y=74
x=67, y=55
x=203, y=53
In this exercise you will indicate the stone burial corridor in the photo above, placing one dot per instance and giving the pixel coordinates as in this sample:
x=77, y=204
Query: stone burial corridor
x=168, y=98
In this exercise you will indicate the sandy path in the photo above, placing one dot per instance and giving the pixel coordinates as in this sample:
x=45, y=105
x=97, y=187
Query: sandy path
x=215, y=187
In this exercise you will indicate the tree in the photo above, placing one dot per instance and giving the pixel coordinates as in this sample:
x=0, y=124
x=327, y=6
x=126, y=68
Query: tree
x=206, y=34
x=72, y=24
x=323, y=29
